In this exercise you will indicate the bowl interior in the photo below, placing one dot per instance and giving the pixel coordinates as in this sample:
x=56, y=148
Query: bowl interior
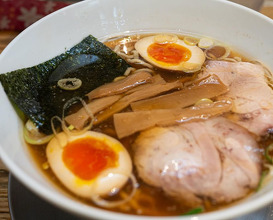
x=244, y=29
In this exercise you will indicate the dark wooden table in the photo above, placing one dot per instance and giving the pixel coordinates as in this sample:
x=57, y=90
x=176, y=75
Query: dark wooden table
x=5, y=38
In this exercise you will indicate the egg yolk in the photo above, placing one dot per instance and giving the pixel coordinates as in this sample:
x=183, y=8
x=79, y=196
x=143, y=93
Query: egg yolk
x=87, y=157
x=169, y=53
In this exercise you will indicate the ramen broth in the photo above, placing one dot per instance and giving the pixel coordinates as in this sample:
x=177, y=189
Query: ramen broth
x=148, y=200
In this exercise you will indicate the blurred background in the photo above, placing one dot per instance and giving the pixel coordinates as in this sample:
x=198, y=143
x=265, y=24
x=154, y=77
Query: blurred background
x=16, y=15
x=19, y=14
x=254, y=4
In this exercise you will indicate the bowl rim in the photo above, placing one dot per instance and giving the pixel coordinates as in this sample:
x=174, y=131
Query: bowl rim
x=88, y=211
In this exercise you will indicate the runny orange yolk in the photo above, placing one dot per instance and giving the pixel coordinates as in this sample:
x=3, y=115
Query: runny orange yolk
x=169, y=53
x=87, y=157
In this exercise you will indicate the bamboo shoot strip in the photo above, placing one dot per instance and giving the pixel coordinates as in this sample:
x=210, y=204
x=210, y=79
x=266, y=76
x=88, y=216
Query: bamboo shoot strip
x=149, y=91
x=157, y=79
x=128, y=123
x=121, y=86
x=206, y=88
x=79, y=119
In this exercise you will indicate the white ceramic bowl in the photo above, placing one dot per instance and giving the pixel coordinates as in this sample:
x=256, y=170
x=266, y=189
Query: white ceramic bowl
x=246, y=30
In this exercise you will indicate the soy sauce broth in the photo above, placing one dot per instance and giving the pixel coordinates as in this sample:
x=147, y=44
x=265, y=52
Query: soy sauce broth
x=150, y=201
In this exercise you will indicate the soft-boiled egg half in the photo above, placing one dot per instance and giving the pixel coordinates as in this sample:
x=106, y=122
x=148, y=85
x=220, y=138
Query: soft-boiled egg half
x=167, y=51
x=90, y=164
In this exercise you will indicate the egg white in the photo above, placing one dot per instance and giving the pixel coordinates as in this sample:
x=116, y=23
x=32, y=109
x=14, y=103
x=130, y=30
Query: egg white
x=108, y=180
x=193, y=64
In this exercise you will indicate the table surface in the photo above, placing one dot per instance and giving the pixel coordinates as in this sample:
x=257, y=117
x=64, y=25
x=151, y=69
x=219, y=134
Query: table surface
x=5, y=38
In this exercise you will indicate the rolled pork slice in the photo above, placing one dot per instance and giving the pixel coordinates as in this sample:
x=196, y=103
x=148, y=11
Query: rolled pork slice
x=214, y=159
x=248, y=89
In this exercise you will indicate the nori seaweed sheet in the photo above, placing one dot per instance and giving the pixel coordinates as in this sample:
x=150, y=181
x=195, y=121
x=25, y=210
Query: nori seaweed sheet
x=35, y=91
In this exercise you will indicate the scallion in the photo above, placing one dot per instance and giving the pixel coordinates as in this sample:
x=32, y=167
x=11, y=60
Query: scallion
x=264, y=173
x=194, y=211
x=268, y=152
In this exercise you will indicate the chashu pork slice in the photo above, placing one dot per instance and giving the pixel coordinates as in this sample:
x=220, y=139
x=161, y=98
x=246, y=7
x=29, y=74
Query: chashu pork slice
x=214, y=159
x=248, y=89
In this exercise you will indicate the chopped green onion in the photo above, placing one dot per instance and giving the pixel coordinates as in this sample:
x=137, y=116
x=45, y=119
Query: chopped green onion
x=71, y=127
x=264, y=173
x=194, y=211
x=165, y=38
x=205, y=43
x=192, y=41
x=217, y=52
x=45, y=165
x=33, y=136
x=69, y=83
x=203, y=101
x=269, y=150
